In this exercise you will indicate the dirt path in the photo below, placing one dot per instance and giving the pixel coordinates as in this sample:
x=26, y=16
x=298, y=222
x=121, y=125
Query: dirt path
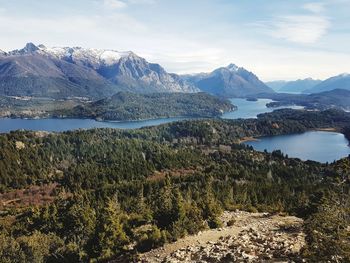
x=246, y=225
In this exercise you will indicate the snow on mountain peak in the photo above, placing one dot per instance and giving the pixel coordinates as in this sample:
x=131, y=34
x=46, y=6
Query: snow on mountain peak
x=86, y=55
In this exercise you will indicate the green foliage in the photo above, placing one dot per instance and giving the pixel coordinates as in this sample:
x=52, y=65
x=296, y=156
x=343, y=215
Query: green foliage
x=111, y=237
x=131, y=106
x=116, y=188
x=150, y=238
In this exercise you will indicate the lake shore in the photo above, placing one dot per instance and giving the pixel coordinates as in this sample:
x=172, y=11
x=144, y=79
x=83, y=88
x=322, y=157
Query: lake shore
x=248, y=139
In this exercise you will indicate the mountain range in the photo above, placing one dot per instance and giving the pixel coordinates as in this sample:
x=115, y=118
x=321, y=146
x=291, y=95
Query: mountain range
x=341, y=81
x=296, y=86
x=70, y=72
x=310, y=86
x=65, y=72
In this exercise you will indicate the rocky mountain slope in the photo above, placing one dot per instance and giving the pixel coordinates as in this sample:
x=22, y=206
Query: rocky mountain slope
x=230, y=81
x=245, y=237
x=69, y=72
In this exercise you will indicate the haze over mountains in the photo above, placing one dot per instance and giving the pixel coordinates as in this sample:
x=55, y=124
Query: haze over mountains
x=296, y=86
x=310, y=85
x=341, y=81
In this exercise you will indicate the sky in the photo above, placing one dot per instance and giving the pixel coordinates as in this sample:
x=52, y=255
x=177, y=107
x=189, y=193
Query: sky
x=275, y=39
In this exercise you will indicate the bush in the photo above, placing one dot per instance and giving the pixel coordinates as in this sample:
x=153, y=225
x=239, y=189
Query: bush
x=150, y=238
x=214, y=222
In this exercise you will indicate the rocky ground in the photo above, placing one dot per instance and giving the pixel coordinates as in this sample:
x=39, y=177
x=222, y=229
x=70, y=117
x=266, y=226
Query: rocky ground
x=245, y=237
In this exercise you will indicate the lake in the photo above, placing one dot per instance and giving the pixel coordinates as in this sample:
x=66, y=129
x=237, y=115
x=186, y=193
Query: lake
x=59, y=125
x=309, y=145
x=246, y=109
x=250, y=109
x=319, y=146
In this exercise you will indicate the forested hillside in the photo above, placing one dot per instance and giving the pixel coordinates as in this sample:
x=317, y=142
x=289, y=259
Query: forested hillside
x=107, y=194
x=132, y=106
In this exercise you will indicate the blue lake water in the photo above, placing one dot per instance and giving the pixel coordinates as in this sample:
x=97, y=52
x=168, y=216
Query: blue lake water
x=310, y=145
x=59, y=125
x=250, y=109
x=319, y=146
x=246, y=109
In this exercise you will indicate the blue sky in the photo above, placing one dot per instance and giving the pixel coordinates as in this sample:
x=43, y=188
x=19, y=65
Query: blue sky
x=274, y=39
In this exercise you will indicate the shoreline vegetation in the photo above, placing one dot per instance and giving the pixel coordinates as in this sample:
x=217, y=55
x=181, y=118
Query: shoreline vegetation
x=329, y=129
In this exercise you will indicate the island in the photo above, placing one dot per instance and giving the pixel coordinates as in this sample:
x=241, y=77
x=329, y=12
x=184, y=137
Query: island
x=123, y=106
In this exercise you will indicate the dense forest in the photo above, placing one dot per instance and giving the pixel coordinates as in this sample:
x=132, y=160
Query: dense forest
x=103, y=194
x=119, y=107
x=132, y=106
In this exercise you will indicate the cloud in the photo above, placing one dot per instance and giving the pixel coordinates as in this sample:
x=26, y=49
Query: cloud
x=301, y=29
x=120, y=4
x=315, y=7
x=114, y=4
x=147, y=2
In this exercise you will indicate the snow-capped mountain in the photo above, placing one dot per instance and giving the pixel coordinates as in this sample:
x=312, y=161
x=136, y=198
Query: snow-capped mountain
x=230, y=81
x=85, y=56
x=65, y=72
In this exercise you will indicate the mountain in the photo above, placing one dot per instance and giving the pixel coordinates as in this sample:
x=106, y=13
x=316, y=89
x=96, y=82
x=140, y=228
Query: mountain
x=33, y=74
x=296, y=86
x=341, y=81
x=131, y=106
x=67, y=72
x=230, y=81
x=276, y=84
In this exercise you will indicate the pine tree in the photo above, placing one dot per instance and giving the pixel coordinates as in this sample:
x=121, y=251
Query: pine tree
x=110, y=233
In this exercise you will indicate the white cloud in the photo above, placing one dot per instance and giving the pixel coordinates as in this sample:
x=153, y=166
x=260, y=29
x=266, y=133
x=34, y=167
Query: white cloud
x=315, y=7
x=120, y=4
x=114, y=4
x=301, y=29
x=147, y=2
x=187, y=48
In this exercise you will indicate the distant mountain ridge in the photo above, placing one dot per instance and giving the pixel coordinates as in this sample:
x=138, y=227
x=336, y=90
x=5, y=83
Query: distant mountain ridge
x=341, y=81
x=230, y=81
x=66, y=72
x=296, y=86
